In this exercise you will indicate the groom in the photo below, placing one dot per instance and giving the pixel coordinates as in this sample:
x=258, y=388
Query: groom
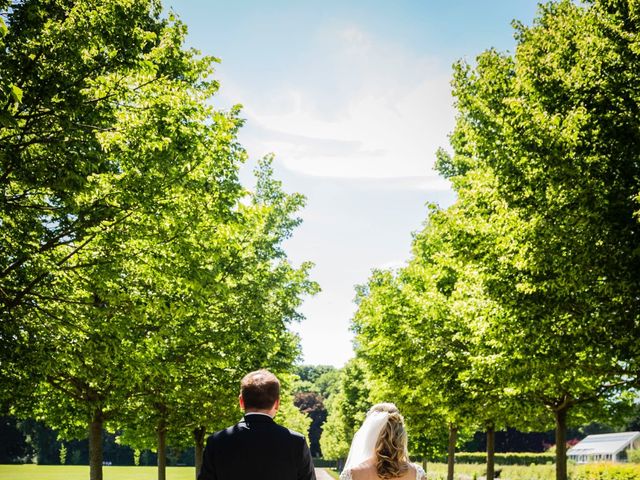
x=257, y=448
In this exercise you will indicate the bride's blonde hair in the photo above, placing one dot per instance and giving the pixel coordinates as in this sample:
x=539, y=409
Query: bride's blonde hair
x=392, y=457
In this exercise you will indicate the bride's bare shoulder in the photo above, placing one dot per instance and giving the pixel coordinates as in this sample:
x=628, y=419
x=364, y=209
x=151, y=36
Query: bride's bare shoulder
x=414, y=472
x=367, y=471
x=364, y=471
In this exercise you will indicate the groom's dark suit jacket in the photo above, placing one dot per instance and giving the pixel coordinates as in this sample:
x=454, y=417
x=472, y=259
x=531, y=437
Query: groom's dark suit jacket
x=256, y=448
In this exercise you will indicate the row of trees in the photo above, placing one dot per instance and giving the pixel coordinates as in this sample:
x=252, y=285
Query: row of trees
x=139, y=280
x=28, y=441
x=520, y=305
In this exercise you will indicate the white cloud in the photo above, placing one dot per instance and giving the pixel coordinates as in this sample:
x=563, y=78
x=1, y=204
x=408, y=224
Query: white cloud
x=355, y=122
x=377, y=111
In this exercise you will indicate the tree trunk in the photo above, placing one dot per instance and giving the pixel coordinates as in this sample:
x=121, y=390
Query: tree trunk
x=561, y=443
x=162, y=450
x=451, y=452
x=95, y=446
x=491, y=449
x=198, y=435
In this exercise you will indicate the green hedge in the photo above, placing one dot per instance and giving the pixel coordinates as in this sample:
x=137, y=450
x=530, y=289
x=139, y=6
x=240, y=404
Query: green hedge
x=598, y=471
x=469, y=471
x=322, y=463
x=526, y=458
x=606, y=471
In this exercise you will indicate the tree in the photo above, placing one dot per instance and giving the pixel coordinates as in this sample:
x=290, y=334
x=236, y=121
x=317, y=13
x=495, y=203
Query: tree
x=291, y=417
x=544, y=166
x=327, y=383
x=106, y=137
x=422, y=331
x=86, y=120
x=224, y=309
x=313, y=386
x=312, y=405
x=409, y=340
x=91, y=131
x=49, y=200
x=334, y=441
x=127, y=238
x=346, y=411
x=435, y=281
x=312, y=373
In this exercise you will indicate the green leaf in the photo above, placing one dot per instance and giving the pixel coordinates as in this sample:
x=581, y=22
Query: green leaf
x=16, y=93
x=7, y=120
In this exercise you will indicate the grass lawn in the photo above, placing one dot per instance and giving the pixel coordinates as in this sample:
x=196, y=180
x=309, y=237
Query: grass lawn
x=593, y=471
x=465, y=471
x=81, y=472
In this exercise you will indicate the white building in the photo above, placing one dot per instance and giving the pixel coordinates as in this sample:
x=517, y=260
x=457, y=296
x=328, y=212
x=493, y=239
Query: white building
x=608, y=447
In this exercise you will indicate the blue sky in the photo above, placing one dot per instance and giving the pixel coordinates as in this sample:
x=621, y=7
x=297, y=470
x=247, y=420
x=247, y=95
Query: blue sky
x=353, y=98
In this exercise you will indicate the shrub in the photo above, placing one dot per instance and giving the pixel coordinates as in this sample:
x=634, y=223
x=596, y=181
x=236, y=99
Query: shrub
x=438, y=471
x=633, y=455
x=63, y=454
x=599, y=471
x=606, y=471
x=519, y=458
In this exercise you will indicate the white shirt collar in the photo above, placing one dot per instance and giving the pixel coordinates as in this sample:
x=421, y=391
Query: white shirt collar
x=257, y=413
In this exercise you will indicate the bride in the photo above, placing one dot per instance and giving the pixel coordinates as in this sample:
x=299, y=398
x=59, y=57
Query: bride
x=379, y=448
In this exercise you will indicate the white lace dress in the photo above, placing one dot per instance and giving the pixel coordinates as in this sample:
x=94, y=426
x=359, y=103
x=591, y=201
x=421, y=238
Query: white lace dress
x=420, y=475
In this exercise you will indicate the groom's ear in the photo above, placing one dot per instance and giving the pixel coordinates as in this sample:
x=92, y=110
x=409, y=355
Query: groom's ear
x=241, y=402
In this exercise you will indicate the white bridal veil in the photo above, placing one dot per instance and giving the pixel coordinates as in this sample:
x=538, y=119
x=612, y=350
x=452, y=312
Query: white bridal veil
x=364, y=441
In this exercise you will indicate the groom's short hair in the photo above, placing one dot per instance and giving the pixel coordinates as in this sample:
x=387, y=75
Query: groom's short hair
x=259, y=390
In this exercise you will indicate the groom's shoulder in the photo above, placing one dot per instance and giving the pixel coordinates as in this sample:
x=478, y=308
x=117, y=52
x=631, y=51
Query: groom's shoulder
x=220, y=434
x=277, y=429
x=292, y=433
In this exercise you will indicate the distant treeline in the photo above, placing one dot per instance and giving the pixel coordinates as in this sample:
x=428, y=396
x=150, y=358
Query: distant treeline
x=29, y=441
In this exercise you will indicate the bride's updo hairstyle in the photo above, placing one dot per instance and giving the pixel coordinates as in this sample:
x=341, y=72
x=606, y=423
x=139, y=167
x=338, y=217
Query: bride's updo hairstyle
x=392, y=456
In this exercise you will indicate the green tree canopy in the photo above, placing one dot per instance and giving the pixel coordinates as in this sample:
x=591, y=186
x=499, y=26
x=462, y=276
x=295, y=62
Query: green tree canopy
x=136, y=272
x=547, y=178
x=346, y=411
